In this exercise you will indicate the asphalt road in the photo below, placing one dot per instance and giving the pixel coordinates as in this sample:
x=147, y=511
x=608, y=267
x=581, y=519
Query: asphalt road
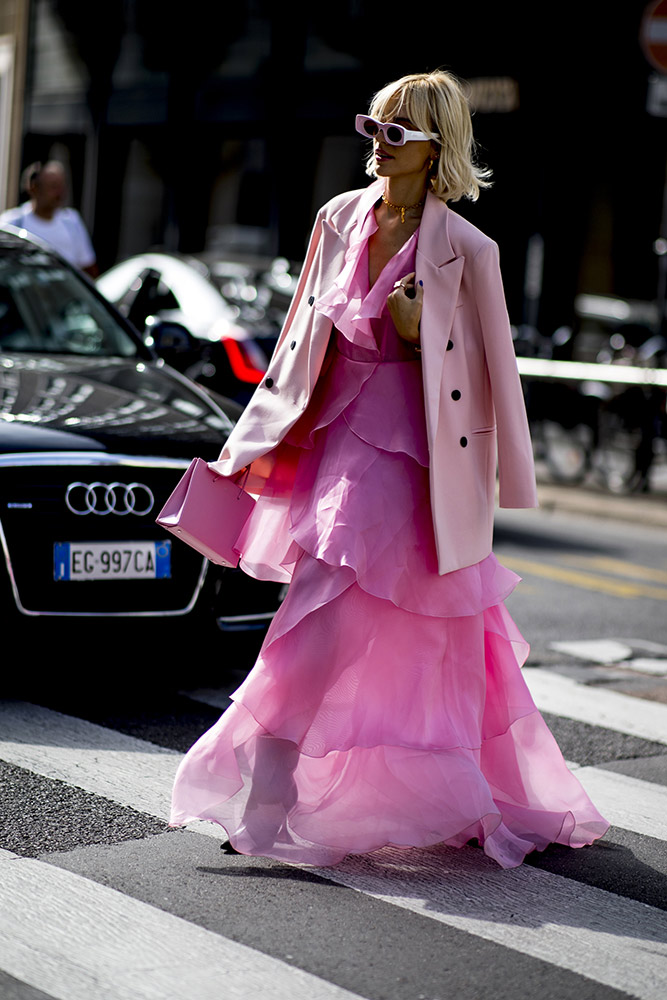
x=584, y=580
x=100, y=899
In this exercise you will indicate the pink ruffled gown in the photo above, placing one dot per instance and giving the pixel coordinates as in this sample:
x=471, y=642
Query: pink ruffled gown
x=387, y=705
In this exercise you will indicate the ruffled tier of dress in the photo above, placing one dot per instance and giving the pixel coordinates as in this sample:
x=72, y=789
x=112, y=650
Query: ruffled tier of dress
x=387, y=705
x=364, y=725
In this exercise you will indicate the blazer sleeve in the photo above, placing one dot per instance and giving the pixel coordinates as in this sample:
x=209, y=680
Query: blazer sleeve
x=516, y=470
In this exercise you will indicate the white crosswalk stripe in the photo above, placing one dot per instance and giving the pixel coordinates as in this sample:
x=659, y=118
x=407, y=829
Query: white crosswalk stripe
x=629, y=803
x=72, y=937
x=552, y=692
x=78, y=940
x=102, y=761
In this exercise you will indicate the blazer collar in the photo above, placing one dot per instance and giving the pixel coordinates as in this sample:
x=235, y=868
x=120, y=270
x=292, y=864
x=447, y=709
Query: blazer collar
x=433, y=240
x=344, y=219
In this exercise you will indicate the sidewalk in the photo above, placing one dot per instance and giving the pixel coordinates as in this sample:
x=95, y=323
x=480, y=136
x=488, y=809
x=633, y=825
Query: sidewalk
x=589, y=499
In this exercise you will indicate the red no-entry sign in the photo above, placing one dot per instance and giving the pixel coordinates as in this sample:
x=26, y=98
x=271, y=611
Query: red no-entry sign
x=653, y=34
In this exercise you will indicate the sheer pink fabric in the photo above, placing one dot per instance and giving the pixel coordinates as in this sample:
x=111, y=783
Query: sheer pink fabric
x=387, y=705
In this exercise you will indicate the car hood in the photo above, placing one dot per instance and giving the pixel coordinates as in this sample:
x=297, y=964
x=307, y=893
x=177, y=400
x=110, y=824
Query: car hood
x=64, y=403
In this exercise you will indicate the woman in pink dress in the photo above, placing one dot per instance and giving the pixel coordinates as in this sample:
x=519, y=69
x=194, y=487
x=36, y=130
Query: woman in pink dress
x=387, y=705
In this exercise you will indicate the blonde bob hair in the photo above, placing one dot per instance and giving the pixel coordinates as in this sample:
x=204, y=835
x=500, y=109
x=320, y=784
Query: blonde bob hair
x=435, y=104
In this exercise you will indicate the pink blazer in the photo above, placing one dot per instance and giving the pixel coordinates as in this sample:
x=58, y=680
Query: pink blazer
x=475, y=413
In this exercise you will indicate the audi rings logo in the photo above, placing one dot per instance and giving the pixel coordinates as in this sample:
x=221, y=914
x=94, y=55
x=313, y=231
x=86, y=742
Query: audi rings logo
x=109, y=498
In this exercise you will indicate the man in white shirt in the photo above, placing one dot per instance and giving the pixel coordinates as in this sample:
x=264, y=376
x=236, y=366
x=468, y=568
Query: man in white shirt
x=43, y=216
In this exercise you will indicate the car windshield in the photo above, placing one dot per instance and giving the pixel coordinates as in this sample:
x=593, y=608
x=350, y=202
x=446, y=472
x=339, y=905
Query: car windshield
x=45, y=308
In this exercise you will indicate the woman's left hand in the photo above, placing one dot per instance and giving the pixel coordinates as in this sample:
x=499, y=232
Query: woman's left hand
x=405, y=307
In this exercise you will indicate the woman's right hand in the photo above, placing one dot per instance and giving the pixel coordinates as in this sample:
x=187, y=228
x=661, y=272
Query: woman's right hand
x=405, y=307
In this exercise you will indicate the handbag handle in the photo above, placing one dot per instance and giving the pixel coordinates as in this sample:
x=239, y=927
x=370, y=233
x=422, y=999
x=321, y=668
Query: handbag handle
x=241, y=482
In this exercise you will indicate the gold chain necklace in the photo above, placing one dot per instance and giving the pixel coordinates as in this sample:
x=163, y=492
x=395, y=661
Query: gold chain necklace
x=402, y=208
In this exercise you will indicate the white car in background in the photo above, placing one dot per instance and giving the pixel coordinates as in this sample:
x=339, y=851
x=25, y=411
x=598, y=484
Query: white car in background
x=215, y=320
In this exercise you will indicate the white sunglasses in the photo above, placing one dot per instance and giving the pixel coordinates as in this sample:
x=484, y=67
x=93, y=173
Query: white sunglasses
x=395, y=135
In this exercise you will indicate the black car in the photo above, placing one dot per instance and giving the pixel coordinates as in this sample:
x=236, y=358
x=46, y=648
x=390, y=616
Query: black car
x=95, y=432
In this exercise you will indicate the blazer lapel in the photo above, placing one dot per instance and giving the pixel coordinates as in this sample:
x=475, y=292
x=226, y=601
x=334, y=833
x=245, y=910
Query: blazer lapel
x=440, y=270
x=355, y=209
x=334, y=245
x=337, y=231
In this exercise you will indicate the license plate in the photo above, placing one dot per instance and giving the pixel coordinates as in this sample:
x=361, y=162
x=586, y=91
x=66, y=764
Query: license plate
x=112, y=560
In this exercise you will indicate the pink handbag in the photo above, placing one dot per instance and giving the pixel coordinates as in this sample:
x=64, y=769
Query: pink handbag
x=208, y=512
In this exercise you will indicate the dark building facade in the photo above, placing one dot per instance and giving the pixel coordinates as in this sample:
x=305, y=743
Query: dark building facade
x=227, y=125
